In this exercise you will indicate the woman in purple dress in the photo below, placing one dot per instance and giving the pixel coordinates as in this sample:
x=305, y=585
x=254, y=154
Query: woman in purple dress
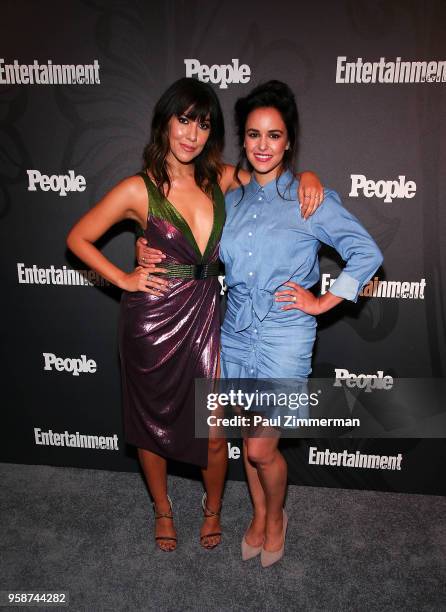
x=169, y=328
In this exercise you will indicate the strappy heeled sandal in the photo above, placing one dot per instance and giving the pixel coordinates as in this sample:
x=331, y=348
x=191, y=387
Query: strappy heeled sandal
x=208, y=514
x=168, y=515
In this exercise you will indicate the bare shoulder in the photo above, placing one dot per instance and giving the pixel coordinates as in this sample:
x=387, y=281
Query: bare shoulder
x=133, y=191
x=128, y=199
x=134, y=187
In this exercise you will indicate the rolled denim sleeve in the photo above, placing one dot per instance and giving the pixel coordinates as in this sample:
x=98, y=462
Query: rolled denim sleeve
x=335, y=226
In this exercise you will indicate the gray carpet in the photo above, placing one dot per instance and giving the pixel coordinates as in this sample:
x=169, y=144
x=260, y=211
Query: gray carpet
x=90, y=532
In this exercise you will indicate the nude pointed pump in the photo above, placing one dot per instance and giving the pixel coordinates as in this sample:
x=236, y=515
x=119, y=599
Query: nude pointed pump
x=248, y=551
x=267, y=557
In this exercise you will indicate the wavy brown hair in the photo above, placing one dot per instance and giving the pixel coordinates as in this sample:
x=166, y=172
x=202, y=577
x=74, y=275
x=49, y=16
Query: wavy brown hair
x=196, y=100
x=272, y=94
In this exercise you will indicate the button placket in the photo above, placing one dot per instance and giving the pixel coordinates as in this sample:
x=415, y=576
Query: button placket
x=253, y=216
x=255, y=335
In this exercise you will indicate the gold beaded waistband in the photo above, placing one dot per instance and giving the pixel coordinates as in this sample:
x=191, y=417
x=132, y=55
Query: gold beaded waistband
x=195, y=271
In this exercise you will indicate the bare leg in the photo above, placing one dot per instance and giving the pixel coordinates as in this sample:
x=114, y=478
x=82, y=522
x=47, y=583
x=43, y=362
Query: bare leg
x=214, y=477
x=255, y=533
x=155, y=472
x=272, y=473
x=214, y=480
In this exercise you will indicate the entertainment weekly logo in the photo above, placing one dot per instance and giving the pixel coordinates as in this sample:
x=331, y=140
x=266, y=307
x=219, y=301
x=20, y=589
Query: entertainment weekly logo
x=375, y=288
x=353, y=460
x=75, y=440
x=218, y=74
x=386, y=190
x=49, y=73
x=389, y=71
x=59, y=183
x=33, y=275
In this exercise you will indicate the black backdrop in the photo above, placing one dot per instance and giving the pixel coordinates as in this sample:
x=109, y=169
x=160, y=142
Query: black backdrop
x=378, y=130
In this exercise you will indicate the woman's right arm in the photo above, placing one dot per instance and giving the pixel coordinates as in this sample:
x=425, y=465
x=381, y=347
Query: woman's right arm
x=128, y=200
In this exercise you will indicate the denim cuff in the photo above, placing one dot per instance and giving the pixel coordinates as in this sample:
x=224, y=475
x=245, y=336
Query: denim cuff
x=345, y=286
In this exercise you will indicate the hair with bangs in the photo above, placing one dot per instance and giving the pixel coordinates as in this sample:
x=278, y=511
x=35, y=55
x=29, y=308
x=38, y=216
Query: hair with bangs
x=273, y=94
x=196, y=100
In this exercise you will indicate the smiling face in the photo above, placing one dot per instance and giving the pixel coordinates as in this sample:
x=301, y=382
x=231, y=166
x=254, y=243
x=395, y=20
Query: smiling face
x=187, y=137
x=266, y=140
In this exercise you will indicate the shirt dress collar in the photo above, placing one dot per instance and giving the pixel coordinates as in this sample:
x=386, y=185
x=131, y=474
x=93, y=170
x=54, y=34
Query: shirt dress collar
x=269, y=191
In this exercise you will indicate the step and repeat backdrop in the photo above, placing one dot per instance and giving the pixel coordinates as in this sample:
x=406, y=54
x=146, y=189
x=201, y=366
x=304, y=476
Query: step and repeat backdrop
x=78, y=84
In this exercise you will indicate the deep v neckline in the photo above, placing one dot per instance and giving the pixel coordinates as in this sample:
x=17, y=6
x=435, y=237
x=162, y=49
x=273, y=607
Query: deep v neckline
x=187, y=230
x=192, y=235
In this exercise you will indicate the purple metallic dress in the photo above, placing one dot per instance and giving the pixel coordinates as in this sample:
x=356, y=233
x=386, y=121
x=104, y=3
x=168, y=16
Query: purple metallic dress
x=166, y=342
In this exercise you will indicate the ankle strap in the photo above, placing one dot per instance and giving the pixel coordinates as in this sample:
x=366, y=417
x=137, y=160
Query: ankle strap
x=168, y=515
x=159, y=515
x=208, y=513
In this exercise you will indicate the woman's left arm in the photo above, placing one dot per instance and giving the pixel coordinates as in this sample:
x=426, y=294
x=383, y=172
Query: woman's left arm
x=335, y=226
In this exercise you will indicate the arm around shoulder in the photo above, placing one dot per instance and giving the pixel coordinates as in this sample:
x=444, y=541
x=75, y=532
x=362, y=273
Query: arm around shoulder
x=229, y=179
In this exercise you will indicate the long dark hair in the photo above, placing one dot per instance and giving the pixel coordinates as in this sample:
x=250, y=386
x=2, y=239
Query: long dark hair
x=272, y=94
x=197, y=100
